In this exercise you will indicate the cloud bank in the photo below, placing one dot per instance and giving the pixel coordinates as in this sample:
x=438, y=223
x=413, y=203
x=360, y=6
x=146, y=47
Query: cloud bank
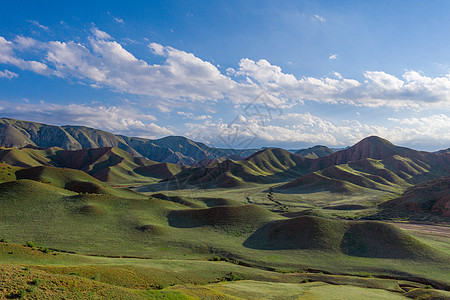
x=103, y=62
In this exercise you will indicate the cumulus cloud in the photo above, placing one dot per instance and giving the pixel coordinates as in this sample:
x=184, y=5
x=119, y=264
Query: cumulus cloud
x=114, y=119
x=101, y=61
x=192, y=117
x=36, y=23
x=430, y=132
x=8, y=74
x=379, y=88
x=8, y=56
x=332, y=56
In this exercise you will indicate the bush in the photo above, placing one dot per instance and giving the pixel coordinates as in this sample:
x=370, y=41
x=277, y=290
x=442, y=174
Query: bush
x=365, y=274
x=30, y=244
x=36, y=281
x=44, y=250
x=32, y=289
x=3, y=241
x=232, y=277
x=96, y=277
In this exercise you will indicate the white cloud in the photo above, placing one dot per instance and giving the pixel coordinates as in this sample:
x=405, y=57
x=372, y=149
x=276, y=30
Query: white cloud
x=292, y=129
x=379, y=88
x=36, y=23
x=8, y=74
x=332, y=56
x=183, y=77
x=115, y=119
x=7, y=56
x=319, y=18
x=192, y=117
x=119, y=20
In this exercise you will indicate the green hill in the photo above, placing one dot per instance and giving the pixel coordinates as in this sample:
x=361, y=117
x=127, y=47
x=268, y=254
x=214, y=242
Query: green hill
x=72, y=180
x=363, y=239
x=265, y=166
x=372, y=163
x=430, y=198
x=392, y=175
x=106, y=164
x=315, y=152
x=242, y=218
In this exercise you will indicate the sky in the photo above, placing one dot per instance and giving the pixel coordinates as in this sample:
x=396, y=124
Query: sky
x=234, y=74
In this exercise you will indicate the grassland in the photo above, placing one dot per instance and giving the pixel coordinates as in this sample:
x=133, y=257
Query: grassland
x=85, y=239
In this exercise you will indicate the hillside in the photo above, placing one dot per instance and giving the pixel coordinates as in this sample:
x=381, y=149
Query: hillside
x=371, y=163
x=171, y=149
x=363, y=239
x=72, y=180
x=264, y=166
x=430, y=197
x=108, y=164
x=315, y=152
x=391, y=175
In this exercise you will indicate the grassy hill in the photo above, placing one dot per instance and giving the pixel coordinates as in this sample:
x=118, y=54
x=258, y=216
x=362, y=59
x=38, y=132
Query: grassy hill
x=363, y=239
x=372, y=163
x=427, y=201
x=315, y=152
x=73, y=180
x=265, y=166
x=106, y=164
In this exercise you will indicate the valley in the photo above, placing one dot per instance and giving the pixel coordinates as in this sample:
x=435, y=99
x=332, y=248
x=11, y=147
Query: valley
x=105, y=219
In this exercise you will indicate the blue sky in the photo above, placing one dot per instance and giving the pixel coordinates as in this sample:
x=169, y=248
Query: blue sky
x=232, y=73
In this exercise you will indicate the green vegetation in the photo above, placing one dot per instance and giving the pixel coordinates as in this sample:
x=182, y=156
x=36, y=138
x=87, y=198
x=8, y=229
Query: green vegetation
x=274, y=223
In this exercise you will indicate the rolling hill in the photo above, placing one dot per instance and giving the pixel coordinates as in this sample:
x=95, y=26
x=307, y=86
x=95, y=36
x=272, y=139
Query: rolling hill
x=372, y=163
x=108, y=164
x=391, y=175
x=264, y=166
x=430, y=197
x=363, y=239
x=315, y=152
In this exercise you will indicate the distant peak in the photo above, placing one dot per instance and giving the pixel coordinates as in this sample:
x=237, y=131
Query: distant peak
x=374, y=140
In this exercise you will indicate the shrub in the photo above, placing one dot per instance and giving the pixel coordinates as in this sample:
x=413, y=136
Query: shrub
x=96, y=277
x=30, y=244
x=32, y=289
x=36, y=281
x=232, y=277
x=365, y=274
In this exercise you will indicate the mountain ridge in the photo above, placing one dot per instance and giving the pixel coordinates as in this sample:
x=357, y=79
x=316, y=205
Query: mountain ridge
x=172, y=149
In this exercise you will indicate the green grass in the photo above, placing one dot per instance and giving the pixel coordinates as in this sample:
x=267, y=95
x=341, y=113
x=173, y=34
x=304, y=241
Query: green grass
x=7, y=172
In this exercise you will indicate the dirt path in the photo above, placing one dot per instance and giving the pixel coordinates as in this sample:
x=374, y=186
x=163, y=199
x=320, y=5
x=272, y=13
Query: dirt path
x=442, y=231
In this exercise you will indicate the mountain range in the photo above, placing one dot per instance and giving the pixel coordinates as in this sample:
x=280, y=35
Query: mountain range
x=371, y=163
x=171, y=149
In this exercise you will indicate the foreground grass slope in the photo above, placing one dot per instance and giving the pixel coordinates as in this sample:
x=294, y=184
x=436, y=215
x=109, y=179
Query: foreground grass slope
x=105, y=224
x=31, y=272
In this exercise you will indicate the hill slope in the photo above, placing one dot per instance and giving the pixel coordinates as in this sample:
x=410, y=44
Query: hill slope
x=315, y=152
x=431, y=197
x=363, y=239
x=107, y=164
x=265, y=166
x=372, y=163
